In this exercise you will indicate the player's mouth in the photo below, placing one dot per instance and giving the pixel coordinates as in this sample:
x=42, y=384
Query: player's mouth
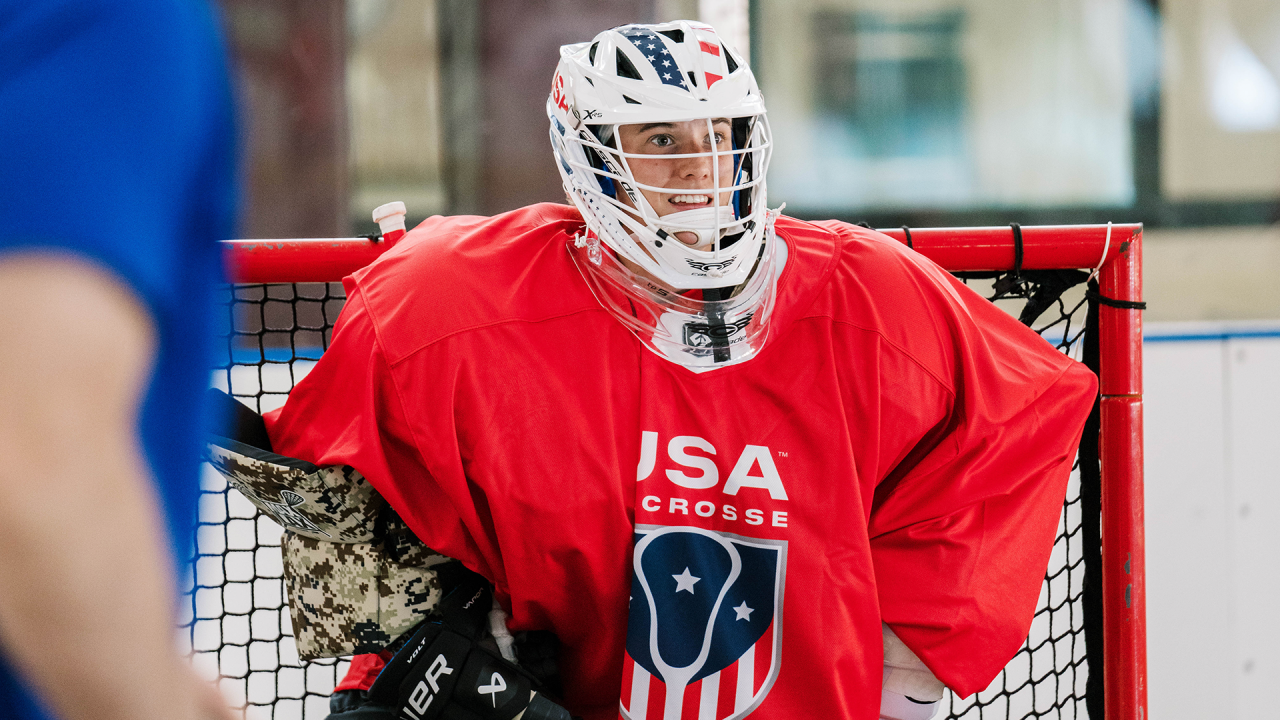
x=690, y=202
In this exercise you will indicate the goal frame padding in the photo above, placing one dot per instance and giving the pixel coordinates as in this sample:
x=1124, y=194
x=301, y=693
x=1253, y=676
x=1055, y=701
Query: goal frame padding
x=1113, y=250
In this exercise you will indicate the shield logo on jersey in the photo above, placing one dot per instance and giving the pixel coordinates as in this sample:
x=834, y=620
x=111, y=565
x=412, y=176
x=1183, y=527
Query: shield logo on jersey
x=704, y=632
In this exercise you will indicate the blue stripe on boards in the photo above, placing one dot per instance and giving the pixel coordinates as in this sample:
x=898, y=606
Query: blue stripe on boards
x=1219, y=336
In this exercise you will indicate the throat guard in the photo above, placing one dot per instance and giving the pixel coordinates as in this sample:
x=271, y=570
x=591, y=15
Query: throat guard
x=698, y=329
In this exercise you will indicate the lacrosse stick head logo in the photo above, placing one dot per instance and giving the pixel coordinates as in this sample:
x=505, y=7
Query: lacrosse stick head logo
x=705, y=609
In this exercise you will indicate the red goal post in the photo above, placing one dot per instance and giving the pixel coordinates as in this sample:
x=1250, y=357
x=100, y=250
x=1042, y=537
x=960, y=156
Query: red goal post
x=1112, y=252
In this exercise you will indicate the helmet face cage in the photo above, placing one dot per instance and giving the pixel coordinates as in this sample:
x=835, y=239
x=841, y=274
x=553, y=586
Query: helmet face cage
x=636, y=229
x=737, y=189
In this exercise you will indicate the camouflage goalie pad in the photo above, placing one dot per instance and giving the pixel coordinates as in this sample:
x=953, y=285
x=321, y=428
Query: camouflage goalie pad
x=356, y=576
x=347, y=598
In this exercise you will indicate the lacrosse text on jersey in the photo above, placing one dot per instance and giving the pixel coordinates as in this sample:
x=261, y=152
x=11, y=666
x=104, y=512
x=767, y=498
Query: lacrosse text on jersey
x=706, y=509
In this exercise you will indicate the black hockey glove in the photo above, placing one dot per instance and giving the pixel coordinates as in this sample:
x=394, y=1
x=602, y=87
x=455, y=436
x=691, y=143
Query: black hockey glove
x=442, y=672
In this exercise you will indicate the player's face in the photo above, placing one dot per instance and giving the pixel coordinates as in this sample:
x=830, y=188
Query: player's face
x=689, y=179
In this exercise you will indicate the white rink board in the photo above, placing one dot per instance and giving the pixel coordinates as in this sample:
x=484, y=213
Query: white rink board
x=1213, y=521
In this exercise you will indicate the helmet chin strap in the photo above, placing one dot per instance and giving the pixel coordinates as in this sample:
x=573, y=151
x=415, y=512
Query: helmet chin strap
x=701, y=222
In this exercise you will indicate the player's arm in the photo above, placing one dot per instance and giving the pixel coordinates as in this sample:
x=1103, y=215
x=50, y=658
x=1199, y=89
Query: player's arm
x=975, y=465
x=86, y=596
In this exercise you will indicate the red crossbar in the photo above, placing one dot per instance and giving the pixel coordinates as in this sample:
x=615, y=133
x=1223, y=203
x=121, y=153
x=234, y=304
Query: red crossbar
x=304, y=260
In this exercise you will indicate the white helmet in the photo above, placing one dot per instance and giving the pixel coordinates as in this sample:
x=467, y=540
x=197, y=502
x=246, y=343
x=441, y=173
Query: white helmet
x=670, y=73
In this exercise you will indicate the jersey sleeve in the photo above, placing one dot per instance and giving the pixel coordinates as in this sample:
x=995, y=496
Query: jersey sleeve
x=962, y=528
x=348, y=411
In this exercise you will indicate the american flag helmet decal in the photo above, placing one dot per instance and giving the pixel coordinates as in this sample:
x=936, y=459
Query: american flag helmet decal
x=655, y=51
x=704, y=632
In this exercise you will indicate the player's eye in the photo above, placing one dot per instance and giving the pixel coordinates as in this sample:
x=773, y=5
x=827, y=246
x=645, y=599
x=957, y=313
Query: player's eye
x=662, y=140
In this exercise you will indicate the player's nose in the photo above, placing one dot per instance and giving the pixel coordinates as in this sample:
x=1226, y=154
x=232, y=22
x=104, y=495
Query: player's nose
x=697, y=166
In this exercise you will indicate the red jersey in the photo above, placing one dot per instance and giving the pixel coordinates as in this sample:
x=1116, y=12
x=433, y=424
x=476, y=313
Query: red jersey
x=898, y=450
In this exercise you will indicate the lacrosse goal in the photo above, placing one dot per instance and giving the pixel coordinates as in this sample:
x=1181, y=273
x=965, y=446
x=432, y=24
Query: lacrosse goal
x=1079, y=287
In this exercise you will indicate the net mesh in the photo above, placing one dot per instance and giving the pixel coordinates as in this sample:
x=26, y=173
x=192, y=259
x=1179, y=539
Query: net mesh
x=237, y=617
x=238, y=620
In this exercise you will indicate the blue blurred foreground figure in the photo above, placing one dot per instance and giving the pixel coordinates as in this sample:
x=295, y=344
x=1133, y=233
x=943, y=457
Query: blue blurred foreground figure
x=116, y=180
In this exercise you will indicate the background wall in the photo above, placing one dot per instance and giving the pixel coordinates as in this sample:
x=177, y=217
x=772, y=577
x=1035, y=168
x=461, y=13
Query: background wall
x=1213, y=520
x=882, y=104
x=1212, y=273
x=290, y=59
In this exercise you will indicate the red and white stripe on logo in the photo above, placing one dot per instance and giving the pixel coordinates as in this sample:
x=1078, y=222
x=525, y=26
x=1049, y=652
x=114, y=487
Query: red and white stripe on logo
x=725, y=695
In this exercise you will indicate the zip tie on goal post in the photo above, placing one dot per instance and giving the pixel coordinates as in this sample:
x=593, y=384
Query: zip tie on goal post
x=1106, y=247
x=1017, y=250
x=1103, y=299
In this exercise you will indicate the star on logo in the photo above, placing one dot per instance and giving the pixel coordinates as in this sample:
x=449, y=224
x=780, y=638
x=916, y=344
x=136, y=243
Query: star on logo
x=651, y=46
x=666, y=63
x=685, y=581
x=666, y=76
x=744, y=612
